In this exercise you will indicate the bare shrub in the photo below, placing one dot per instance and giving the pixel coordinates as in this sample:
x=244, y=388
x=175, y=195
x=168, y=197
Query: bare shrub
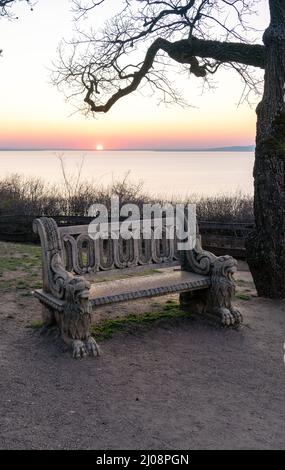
x=236, y=207
x=31, y=196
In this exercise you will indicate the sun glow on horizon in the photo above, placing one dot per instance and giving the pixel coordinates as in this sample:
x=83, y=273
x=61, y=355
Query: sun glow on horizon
x=136, y=122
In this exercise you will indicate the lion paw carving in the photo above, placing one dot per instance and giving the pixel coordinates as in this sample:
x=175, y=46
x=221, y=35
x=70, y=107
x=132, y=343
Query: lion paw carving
x=79, y=349
x=86, y=348
x=92, y=347
x=229, y=317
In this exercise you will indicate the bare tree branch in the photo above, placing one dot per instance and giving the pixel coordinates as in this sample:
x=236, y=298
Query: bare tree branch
x=142, y=41
x=183, y=52
x=5, y=9
x=5, y=6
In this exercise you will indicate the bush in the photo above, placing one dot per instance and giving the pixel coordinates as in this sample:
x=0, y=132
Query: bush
x=31, y=196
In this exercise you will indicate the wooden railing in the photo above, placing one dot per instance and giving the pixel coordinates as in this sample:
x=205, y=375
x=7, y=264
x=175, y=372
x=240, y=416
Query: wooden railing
x=225, y=238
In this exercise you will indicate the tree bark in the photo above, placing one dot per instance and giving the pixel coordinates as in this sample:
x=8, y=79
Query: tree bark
x=248, y=54
x=266, y=245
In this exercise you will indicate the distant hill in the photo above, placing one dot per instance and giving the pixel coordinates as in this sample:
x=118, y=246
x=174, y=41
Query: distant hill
x=236, y=148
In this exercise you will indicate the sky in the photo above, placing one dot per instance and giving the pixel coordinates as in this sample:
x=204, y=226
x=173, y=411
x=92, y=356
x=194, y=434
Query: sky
x=34, y=114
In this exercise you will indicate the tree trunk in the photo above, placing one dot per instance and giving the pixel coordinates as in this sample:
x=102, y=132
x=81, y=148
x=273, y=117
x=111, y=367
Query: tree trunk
x=266, y=245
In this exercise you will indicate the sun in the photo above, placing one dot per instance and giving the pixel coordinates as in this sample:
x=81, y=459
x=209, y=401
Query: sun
x=99, y=147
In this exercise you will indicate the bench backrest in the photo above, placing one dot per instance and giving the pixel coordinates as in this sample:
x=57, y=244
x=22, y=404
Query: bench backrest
x=83, y=254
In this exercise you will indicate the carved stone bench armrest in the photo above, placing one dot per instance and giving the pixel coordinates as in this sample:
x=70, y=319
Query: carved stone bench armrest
x=75, y=320
x=197, y=260
x=222, y=288
x=56, y=279
x=55, y=276
x=206, y=263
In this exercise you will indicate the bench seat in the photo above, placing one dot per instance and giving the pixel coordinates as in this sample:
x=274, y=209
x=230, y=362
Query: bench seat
x=162, y=282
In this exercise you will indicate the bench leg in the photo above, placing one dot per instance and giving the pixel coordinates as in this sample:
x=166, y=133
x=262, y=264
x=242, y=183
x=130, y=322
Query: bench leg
x=220, y=305
x=75, y=320
x=222, y=290
x=74, y=324
x=217, y=299
x=82, y=348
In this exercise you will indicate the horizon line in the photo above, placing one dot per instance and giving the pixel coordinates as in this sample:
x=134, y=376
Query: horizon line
x=123, y=149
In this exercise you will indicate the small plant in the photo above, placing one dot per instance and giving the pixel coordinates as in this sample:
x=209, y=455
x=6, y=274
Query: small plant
x=36, y=325
x=107, y=328
x=242, y=296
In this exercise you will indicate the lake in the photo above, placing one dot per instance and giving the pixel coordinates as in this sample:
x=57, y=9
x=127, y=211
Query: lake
x=163, y=173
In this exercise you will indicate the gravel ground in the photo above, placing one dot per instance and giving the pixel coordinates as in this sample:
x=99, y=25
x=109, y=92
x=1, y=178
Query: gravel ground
x=183, y=384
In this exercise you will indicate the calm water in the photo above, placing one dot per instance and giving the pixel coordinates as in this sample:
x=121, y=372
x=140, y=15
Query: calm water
x=165, y=173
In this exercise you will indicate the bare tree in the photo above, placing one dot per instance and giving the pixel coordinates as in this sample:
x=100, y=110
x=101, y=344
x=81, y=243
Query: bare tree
x=71, y=181
x=5, y=6
x=6, y=9
x=139, y=44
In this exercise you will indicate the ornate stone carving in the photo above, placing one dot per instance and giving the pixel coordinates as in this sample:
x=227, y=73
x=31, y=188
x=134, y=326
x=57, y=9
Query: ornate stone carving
x=222, y=287
x=55, y=275
x=107, y=254
x=74, y=322
x=145, y=251
x=197, y=260
x=222, y=290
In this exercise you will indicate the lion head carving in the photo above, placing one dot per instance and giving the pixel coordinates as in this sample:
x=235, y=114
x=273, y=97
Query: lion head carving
x=77, y=291
x=224, y=266
x=222, y=281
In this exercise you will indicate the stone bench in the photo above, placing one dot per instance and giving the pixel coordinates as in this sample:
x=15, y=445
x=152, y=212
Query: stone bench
x=74, y=266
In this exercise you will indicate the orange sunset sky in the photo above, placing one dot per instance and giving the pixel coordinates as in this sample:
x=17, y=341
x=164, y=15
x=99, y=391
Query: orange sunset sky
x=33, y=114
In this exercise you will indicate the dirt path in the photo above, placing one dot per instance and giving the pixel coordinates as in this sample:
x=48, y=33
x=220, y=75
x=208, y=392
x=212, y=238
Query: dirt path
x=183, y=384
